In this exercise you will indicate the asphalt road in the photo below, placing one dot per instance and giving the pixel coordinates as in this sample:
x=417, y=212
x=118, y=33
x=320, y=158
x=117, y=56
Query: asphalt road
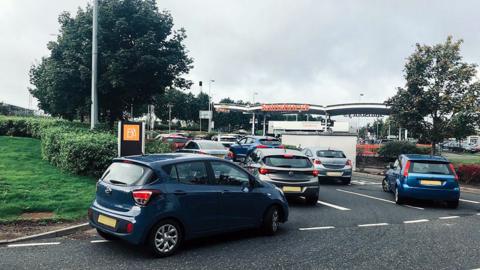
x=352, y=227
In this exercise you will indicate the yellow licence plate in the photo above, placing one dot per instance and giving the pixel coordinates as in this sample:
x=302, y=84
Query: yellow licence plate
x=431, y=182
x=292, y=189
x=107, y=221
x=334, y=173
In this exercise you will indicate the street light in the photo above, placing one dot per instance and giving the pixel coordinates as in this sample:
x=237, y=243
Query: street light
x=94, y=105
x=210, y=105
x=253, y=113
x=169, y=117
x=358, y=117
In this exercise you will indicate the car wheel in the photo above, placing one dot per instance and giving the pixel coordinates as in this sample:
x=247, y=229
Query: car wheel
x=312, y=200
x=453, y=204
x=398, y=198
x=385, y=185
x=346, y=181
x=271, y=220
x=165, y=238
x=106, y=236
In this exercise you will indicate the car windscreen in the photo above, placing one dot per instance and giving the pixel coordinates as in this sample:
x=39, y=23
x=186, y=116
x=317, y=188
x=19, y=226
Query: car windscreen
x=287, y=161
x=269, y=141
x=430, y=167
x=330, y=154
x=176, y=140
x=126, y=174
x=211, y=145
x=228, y=139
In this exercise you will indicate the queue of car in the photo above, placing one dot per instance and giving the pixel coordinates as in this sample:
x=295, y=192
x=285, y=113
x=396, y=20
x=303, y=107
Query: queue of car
x=205, y=188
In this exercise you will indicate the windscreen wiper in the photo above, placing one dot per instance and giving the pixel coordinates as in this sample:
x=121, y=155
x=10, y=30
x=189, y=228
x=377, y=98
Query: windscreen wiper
x=116, y=182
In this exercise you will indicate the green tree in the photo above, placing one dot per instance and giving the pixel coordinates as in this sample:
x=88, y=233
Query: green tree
x=439, y=86
x=140, y=55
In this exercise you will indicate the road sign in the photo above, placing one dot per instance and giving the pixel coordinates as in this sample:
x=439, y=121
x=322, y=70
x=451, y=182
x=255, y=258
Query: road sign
x=131, y=138
x=205, y=115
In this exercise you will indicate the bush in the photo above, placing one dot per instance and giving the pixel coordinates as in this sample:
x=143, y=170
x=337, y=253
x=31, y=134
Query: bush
x=156, y=147
x=469, y=173
x=392, y=150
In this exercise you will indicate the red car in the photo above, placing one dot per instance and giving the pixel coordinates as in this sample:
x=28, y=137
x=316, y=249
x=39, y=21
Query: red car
x=176, y=141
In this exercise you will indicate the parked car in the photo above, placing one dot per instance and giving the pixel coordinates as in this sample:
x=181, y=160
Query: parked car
x=245, y=146
x=205, y=147
x=287, y=169
x=176, y=141
x=330, y=163
x=226, y=140
x=422, y=177
x=164, y=199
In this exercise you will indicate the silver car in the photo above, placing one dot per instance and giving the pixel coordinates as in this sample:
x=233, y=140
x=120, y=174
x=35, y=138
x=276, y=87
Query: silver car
x=330, y=163
x=205, y=147
x=289, y=170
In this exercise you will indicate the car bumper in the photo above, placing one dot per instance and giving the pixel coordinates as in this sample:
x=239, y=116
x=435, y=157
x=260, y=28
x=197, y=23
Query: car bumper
x=334, y=173
x=308, y=188
x=452, y=194
x=134, y=237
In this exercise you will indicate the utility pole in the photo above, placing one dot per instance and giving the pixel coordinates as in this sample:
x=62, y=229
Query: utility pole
x=169, y=117
x=210, y=105
x=94, y=105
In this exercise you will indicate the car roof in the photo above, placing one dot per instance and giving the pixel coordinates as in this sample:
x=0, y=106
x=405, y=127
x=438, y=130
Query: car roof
x=279, y=151
x=155, y=161
x=414, y=157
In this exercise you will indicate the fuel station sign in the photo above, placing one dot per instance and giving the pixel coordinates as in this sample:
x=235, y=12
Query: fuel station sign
x=131, y=138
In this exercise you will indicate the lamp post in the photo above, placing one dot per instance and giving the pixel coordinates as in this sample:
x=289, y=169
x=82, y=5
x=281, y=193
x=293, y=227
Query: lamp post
x=253, y=113
x=358, y=117
x=94, y=105
x=210, y=105
x=169, y=117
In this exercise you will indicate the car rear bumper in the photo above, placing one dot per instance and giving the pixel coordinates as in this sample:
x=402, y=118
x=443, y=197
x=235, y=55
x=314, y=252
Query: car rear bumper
x=135, y=237
x=309, y=188
x=424, y=193
x=334, y=173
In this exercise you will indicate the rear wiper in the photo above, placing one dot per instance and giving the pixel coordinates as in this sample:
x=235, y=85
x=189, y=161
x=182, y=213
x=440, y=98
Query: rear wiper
x=115, y=182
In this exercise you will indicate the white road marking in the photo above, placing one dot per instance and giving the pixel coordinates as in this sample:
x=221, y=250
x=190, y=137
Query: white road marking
x=333, y=206
x=449, y=217
x=317, y=228
x=373, y=225
x=361, y=182
x=380, y=199
x=415, y=221
x=99, y=241
x=469, y=201
x=34, y=244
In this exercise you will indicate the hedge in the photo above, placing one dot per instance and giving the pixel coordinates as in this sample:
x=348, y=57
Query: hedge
x=392, y=150
x=469, y=174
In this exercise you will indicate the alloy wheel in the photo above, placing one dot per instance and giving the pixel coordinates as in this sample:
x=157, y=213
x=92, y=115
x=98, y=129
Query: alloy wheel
x=166, y=238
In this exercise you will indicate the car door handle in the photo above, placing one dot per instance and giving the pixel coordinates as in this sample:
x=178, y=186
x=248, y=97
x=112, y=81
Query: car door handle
x=179, y=192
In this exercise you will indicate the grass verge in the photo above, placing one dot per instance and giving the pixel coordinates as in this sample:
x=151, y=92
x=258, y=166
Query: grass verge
x=464, y=158
x=29, y=184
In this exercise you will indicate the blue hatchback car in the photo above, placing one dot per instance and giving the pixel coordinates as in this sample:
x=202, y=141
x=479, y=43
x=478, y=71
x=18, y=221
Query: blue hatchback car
x=245, y=146
x=423, y=177
x=162, y=200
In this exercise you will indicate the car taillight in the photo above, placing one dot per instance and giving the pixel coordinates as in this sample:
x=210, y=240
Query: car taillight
x=281, y=146
x=315, y=173
x=317, y=162
x=261, y=146
x=263, y=171
x=230, y=154
x=407, y=167
x=349, y=163
x=142, y=197
x=288, y=156
x=453, y=171
x=129, y=227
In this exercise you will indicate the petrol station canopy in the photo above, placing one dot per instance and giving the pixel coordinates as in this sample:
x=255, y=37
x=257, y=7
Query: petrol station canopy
x=347, y=110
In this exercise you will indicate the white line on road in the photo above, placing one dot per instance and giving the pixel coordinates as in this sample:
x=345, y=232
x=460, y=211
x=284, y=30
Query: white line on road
x=317, y=228
x=333, y=206
x=99, y=241
x=380, y=199
x=415, y=221
x=34, y=244
x=469, y=201
x=449, y=217
x=373, y=225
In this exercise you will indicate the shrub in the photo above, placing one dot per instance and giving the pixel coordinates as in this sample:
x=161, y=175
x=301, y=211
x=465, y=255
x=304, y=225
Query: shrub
x=156, y=147
x=392, y=150
x=469, y=173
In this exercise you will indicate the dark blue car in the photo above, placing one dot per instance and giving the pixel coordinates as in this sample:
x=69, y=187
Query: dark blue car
x=244, y=147
x=162, y=200
x=423, y=177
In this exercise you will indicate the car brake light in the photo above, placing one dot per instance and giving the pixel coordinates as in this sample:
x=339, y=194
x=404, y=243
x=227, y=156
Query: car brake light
x=142, y=197
x=263, y=171
x=288, y=156
x=129, y=227
x=230, y=154
x=407, y=167
x=281, y=146
x=349, y=163
x=453, y=171
x=261, y=146
x=315, y=173
x=317, y=162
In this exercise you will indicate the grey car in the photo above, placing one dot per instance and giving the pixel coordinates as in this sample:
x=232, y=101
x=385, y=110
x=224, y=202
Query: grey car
x=289, y=170
x=330, y=163
x=207, y=147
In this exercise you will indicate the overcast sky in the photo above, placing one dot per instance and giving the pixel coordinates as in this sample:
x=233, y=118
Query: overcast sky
x=320, y=52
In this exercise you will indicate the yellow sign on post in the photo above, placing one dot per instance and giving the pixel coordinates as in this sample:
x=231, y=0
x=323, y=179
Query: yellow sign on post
x=131, y=132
